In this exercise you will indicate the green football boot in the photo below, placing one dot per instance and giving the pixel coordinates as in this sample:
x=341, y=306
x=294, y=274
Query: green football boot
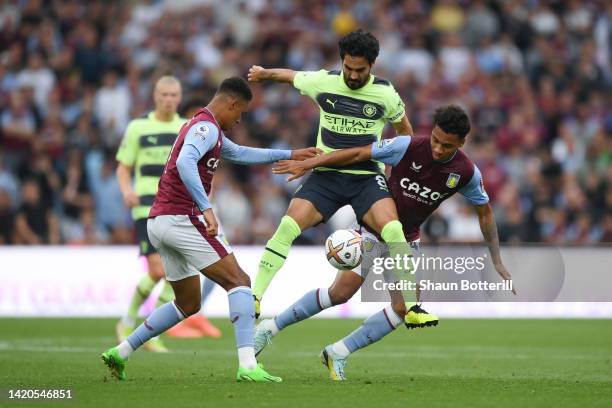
x=115, y=363
x=417, y=317
x=258, y=374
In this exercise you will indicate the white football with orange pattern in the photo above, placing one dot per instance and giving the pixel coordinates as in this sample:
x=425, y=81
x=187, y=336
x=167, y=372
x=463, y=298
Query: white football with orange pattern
x=343, y=249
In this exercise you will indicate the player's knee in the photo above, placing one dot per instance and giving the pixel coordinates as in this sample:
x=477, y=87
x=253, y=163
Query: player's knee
x=156, y=273
x=339, y=296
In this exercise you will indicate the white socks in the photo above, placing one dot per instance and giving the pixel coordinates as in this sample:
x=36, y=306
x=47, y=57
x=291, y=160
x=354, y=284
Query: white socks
x=246, y=358
x=395, y=320
x=340, y=349
x=246, y=355
x=324, y=299
x=125, y=350
x=270, y=324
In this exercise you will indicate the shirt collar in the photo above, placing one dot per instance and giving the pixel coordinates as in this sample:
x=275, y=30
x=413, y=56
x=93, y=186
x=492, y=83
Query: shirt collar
x=346, y=87
x=211, y=114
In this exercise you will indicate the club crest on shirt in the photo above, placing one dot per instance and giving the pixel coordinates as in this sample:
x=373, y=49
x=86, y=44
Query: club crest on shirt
x=452, y=180
x=369, y=110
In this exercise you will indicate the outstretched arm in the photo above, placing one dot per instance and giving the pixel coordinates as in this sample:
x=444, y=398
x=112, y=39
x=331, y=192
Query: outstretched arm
x=251, y=155
x=488, y=227
x=257, y=73
x=388, y=151
x=475, y=193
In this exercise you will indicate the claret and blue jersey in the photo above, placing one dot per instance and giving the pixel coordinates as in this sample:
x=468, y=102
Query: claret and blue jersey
x=187, y=178
x=419, y=184
x=201, y=138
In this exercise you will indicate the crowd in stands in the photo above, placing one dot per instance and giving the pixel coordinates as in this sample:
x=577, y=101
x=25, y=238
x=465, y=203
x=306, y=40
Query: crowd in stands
x=534, y=75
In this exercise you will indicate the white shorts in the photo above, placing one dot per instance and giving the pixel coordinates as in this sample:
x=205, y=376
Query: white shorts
x=184, y=246
x=369, y=237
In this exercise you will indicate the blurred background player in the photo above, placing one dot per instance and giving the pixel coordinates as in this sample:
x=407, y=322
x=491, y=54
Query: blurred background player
x=354, y=108
x=425, y=172
x=145, y=149
x=184, y=229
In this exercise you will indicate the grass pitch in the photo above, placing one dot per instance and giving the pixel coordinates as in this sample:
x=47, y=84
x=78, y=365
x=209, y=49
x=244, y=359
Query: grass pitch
x=471, y=363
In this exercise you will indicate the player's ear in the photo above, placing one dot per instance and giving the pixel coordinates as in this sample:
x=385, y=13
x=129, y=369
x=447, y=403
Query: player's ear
x=232, y=103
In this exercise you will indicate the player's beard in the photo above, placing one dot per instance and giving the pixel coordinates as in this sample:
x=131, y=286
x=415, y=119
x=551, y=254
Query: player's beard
x=355, y=84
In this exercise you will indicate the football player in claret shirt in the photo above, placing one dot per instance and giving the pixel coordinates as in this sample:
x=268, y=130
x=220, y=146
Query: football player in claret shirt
x=425, y=171
x=183, y=228
x=144, y=150
x=355, y=106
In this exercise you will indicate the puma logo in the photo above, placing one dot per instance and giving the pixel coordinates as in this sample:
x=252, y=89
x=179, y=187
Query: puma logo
x=333, y=104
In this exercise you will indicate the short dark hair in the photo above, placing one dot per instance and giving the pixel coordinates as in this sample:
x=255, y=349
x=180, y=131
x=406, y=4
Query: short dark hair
x=359, y=43
x=236, y=86
x=452, y=119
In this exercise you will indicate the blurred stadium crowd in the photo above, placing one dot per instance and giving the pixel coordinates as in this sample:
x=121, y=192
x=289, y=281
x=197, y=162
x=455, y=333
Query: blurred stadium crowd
x=535, y=76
